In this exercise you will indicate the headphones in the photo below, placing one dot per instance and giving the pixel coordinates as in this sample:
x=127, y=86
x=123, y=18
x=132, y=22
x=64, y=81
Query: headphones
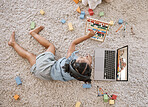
x=76, y=74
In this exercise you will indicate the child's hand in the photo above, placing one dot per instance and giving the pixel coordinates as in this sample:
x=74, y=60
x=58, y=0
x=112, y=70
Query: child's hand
x=91, y=33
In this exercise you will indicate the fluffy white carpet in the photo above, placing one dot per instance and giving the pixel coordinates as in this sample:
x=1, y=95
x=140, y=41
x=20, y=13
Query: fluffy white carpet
x=17, y=15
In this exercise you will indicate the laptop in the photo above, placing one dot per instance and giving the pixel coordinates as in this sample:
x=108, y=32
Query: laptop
x=111, y=64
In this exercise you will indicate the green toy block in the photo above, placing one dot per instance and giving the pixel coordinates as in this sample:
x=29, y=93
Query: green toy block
x=106, y=98
x=32, y=25
x=101, y=14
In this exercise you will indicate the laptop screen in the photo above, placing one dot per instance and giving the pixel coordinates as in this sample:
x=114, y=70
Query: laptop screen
x=122, y=64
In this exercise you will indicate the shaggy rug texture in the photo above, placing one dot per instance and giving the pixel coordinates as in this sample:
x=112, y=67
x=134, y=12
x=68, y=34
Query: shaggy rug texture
x=16, y=15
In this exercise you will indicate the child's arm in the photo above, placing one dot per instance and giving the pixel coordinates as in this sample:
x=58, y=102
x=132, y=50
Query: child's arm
x=77, y=41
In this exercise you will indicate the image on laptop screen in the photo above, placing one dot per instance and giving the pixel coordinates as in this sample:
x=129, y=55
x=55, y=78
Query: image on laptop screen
x=122, y=64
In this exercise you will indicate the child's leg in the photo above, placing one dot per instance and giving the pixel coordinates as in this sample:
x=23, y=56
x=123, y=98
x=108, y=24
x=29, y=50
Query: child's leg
x=22, y=52
x=50, y=47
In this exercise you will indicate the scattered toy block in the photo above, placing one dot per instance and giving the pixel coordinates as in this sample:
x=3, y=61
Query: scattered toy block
x=120, y=21
x=111, y=23
x=16, y=97
x=63, y=21
x=76, y=1
x=90, y=12
x=82, y=16
x=70, y=26
x=106, y=98
x=80, y=0
x=86, y=85
x=78, y=10
x=82, y=12
x=32, y=25
x=18, y=80
x=114, y=97
x=78, y=104
x=42, y=12
x=111, y=101
x=101, y=14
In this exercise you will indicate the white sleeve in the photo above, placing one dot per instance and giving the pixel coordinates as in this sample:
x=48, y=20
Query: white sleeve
x=93, y=3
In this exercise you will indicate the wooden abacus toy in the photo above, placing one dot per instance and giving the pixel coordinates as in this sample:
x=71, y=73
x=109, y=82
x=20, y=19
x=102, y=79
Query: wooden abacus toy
x=101, y=27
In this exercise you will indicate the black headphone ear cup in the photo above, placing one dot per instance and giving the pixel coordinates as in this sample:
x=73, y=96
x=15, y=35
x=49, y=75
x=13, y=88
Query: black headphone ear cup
x=77, y=75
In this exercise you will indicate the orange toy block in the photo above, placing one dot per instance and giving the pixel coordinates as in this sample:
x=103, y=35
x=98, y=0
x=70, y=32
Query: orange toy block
x=16, y=97
x=76, y=1
x=78, y=10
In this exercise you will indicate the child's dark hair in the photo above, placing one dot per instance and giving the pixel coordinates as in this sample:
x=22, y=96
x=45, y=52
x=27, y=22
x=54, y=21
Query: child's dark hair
x=82, y=68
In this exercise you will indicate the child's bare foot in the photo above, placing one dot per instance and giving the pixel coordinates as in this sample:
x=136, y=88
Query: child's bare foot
x=37, y=30
x=12, y=39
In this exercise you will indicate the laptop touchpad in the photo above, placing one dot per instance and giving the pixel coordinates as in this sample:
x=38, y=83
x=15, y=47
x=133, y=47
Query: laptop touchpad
x=99, y=68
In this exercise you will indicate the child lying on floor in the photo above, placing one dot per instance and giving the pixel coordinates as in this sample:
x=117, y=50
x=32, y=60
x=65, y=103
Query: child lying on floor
x=44, y=66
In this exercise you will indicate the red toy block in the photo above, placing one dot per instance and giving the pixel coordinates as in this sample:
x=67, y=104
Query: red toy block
x=114, y=97
x=90, y=12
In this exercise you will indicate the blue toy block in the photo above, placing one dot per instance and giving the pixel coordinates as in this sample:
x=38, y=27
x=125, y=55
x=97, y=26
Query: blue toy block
x=82, y=12
x=82, y=16
x=86, y=85
x=18, y=80
x=120, y=21
x=63, y=21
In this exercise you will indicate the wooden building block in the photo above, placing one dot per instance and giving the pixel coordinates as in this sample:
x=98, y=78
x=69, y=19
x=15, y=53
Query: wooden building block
x=101, y=14
x=42, y=12
x=76, y=1
x=86, y=85
x=18, y=80
x=90, y=12
x=70, y=26
x=111, y=101
x=106, y=98
x=78, y=10
x=16, y=97
x=63, y=21
x=32, y=26
x=78, y=104
x=111, y=23
x=120, y=21
x=82, y=12
x=114, y=97
x=80, y=0
x=82, y=16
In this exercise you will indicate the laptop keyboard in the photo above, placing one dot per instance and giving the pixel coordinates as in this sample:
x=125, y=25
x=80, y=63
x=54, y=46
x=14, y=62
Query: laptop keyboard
x=109, y=65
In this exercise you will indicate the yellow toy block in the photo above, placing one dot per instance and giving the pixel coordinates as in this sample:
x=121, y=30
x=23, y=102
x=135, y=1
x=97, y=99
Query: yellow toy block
x=42, y=12
x=70, y=26
x=111, y=101
x=16, y=97
x=78, y=10
x=80, y=0
x=76, y=1
x=78, y=104
x=111, y=23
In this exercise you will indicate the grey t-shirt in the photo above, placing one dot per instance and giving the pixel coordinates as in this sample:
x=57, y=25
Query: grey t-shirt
x=58, y=73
